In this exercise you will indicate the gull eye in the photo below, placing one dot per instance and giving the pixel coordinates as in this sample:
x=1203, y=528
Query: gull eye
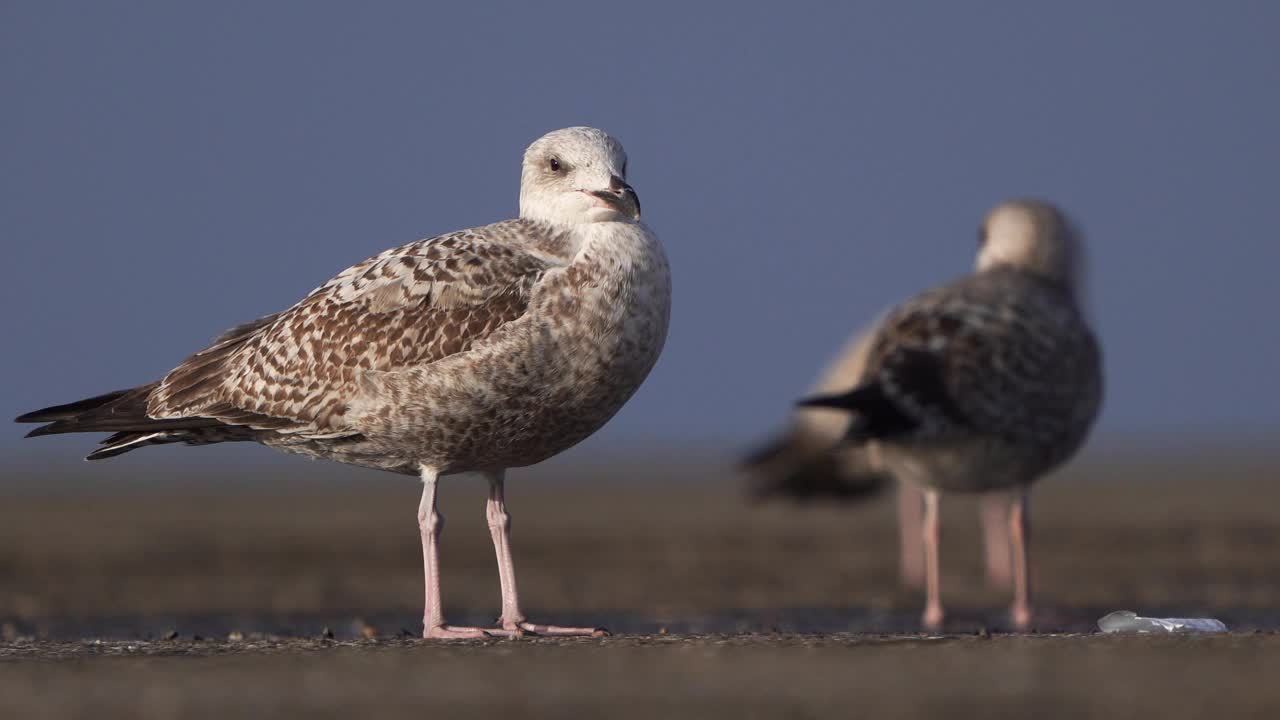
x=554, y=164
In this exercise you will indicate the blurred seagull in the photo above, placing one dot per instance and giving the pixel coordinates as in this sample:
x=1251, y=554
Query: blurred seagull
x=984, y=384
x=474, y=351
x=805, y=463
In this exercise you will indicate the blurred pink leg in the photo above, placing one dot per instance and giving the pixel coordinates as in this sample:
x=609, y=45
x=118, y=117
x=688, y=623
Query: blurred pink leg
x=430, y=525
x=910, y=549
x=994, y=509
x=933, y=614
x=513, y=620
x=1020, y=532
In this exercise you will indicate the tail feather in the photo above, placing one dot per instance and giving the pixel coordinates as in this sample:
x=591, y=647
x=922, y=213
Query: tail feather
x=856, y=400
x=115, y=412
x=122, y=413
x=121, y=443
x=119, y=425
x=789, y=466
x=874, y=414
x=70, y=410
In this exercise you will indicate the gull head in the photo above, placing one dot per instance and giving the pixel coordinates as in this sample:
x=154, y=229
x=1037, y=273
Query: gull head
x=577, y=175
x=1032, y=236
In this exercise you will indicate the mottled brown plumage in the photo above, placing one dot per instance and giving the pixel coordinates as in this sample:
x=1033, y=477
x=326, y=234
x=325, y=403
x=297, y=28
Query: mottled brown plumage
x=299, y=372
x=474, y=351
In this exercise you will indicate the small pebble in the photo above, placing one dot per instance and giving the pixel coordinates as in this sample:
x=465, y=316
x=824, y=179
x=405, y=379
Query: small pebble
x=171, y=635
x=235, y=636
x=327, y=634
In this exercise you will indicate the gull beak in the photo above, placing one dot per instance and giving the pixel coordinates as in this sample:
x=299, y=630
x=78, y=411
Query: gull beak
x=620, y=197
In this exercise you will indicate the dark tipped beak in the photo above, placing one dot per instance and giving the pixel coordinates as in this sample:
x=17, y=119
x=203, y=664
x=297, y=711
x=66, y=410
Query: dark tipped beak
x=621, y=197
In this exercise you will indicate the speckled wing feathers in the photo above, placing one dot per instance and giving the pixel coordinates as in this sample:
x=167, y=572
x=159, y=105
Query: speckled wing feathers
x=997, y=353
x=295, y=371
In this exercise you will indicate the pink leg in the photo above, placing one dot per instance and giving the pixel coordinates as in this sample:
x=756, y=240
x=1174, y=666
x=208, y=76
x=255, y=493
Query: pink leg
x=994, y=509
x=1020, y=531
x=933, y=614
x=513, y=620
x=910, y=550
x=430, y=524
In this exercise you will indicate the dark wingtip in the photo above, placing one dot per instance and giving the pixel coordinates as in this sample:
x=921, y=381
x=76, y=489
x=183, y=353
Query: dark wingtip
x=50, y=429
x=69, y=410
x=841, y=402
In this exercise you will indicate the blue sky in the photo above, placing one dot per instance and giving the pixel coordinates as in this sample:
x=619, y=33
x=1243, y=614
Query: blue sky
x=173, y=169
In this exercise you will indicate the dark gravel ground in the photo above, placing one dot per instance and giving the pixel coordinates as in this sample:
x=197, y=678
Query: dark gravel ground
x=126, y=594
x=715, y=676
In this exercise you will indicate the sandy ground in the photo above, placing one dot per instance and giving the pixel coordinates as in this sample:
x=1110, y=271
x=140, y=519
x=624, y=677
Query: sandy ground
x=124, y=593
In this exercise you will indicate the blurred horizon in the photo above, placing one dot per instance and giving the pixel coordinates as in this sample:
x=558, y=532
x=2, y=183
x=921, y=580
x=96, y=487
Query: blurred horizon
x=245, y=466
x=174, y=169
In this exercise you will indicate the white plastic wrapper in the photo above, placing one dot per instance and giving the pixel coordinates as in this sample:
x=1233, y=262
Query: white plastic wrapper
x=1127, y=621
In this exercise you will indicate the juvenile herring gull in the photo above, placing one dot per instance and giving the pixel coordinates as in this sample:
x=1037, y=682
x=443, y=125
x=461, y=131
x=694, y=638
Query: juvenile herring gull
x=805, y=463
x=984, y=384
x=474, y=351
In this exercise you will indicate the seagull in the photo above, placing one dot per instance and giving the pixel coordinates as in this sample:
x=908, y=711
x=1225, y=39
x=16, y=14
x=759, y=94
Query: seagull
x=469, y=352
x=805, y=463
x=985, y=384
